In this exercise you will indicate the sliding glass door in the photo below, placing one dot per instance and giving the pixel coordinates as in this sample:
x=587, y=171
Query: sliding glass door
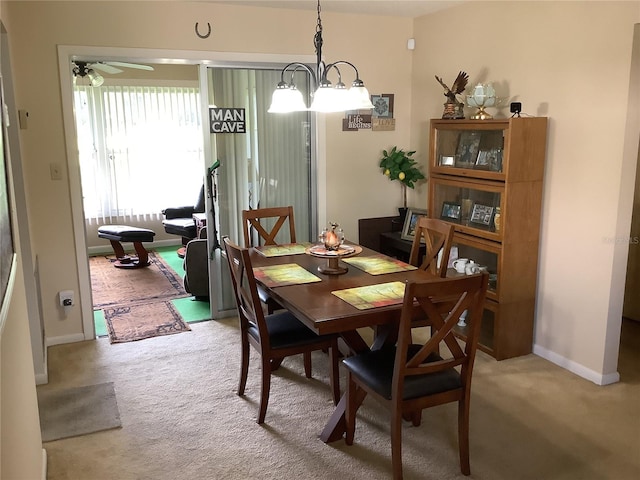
x=265, y=160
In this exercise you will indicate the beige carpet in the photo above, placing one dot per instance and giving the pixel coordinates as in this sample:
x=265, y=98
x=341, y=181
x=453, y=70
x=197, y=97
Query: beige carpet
x=181, y=419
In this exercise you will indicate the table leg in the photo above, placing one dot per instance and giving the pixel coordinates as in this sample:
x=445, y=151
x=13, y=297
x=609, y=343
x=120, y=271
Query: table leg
x=337, y=426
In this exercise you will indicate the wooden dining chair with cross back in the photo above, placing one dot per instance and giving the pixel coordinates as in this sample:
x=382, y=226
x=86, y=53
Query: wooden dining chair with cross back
x=259, y=221
x=437, y=236
x=410, y=377
x=274, y=336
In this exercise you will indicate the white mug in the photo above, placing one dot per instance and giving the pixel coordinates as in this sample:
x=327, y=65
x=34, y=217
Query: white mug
x=460, y=264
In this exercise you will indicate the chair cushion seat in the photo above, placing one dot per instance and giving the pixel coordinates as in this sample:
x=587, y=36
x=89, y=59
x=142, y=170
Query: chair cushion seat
x=185, y=227
x=286, y=331
x=376, y=370
x=125, y=233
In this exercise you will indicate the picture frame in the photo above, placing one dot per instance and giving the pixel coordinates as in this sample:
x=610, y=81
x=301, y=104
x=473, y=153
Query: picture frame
x=482, y=214
x=467, y=152
x=447, y=160
x=451, y=211
x=482, y=161
x=382, y=105
x=410, y=222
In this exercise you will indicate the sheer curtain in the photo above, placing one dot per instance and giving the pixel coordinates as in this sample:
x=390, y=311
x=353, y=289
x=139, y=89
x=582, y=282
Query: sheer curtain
x=268, y=166
x=140, y=150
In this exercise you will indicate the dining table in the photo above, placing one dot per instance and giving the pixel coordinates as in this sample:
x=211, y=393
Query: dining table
x=368, y=293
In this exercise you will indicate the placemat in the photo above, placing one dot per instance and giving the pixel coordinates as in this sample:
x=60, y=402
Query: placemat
x=285, y=274
x=372, y=296
x=282, y=250
x=379, y=264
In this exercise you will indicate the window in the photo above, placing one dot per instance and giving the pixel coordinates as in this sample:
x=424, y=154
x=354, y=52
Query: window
x=140, y=150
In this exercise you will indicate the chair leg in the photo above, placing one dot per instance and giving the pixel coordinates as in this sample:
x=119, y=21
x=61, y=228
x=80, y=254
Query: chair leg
x=463, y=435
x=244, y=365
x=264, y=391
x=396, y=444
x=307, y=364
x=416, y=418
x=335, y=372
x=275, y=363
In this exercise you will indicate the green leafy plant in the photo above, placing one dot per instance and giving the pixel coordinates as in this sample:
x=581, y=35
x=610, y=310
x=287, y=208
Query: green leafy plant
x=398, y=165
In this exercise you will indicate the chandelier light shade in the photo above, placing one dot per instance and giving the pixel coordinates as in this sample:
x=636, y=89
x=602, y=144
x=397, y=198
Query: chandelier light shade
x=326, y=97
x=96, y=79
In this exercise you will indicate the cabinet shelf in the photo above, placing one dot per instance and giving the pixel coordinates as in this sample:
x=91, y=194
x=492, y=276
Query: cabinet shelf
x=485, y=178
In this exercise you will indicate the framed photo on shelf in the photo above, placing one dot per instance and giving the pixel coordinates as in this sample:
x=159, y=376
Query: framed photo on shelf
x=450, y=211
x=482, y=214
x=467, y=152
x=482, y=162
x=410, y=222
x=447, y=160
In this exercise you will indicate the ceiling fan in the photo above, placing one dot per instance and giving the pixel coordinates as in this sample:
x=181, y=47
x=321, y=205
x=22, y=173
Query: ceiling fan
x=88, y=69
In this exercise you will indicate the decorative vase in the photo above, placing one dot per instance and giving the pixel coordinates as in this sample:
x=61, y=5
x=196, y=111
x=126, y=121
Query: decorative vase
x=402, y=211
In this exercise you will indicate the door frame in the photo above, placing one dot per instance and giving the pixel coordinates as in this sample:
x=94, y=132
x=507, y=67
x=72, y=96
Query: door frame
x=66, y=53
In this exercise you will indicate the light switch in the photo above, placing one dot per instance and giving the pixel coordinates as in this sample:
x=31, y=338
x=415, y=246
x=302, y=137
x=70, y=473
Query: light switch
x=56, y=171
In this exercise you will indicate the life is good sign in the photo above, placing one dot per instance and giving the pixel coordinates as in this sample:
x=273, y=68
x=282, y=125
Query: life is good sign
x=227, y=120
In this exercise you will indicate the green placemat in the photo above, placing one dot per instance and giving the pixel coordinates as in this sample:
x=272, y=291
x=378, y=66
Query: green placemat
x=282, y=250
x=285, y=274
x=379, y=264
x=372, y=296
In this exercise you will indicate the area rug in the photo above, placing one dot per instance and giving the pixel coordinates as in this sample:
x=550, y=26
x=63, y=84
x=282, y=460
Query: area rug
x=128, y=323
x=77, y=411
x=113, y=286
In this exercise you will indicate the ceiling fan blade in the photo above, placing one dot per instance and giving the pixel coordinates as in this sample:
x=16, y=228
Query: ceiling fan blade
x=104, y=67
x=131, y=65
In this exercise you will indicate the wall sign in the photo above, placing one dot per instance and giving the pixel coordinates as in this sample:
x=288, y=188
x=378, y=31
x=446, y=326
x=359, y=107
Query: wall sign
x=227, y=120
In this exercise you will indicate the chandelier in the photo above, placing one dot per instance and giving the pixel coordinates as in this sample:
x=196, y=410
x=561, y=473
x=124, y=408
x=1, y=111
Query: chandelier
x=326, y=98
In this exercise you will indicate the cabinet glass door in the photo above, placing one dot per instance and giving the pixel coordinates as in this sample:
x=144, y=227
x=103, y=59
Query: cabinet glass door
x=479, y=151
x=475, y=208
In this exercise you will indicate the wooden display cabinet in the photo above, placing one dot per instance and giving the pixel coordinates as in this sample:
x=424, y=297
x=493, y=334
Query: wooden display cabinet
x=485, y=177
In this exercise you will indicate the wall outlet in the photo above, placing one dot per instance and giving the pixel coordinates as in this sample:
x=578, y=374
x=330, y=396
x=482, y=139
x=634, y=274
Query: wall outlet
x=66, y=298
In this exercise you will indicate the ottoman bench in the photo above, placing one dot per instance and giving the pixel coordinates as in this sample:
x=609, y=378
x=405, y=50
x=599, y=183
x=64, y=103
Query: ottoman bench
x=125, y=233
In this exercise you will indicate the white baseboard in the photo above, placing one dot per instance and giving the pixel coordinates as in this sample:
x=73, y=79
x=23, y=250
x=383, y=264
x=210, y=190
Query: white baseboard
x=76, y=337
x=578, y=369
x=44, y=465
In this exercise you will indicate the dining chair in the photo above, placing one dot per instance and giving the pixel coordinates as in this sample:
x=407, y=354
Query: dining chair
x=410, y=377
x=257, y=220
x=438, y=236
x=274, y=336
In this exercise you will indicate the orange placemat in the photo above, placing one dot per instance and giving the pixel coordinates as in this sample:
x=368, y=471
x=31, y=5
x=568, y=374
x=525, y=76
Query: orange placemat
x=285, y=274
x=379, y=264
x=282, y=250
x=372, y=296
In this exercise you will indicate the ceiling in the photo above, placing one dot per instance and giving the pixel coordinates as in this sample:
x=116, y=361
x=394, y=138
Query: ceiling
x=398, y=8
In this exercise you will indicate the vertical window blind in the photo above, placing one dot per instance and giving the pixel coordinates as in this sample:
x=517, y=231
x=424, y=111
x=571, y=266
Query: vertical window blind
x=140, y=150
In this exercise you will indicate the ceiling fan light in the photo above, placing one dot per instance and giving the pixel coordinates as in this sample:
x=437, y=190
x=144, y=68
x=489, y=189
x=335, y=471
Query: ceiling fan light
x=96, y=79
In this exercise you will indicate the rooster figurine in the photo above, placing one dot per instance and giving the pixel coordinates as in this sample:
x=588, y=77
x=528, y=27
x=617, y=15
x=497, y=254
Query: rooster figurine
x=452, y=107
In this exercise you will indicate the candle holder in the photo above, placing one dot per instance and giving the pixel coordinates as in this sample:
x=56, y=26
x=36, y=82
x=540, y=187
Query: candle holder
x=331, y=247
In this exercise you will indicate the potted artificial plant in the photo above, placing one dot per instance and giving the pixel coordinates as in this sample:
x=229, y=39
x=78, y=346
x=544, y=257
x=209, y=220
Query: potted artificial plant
x=398, y=165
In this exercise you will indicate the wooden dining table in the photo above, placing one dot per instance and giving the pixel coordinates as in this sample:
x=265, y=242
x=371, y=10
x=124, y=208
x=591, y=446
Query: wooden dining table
x=318, y=308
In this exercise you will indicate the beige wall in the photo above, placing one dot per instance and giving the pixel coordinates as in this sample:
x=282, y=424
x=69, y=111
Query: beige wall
x=569, y=61
x=21, y=453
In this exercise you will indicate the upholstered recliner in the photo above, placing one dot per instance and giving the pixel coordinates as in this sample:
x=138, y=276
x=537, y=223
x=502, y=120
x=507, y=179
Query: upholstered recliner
x=179, y=220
